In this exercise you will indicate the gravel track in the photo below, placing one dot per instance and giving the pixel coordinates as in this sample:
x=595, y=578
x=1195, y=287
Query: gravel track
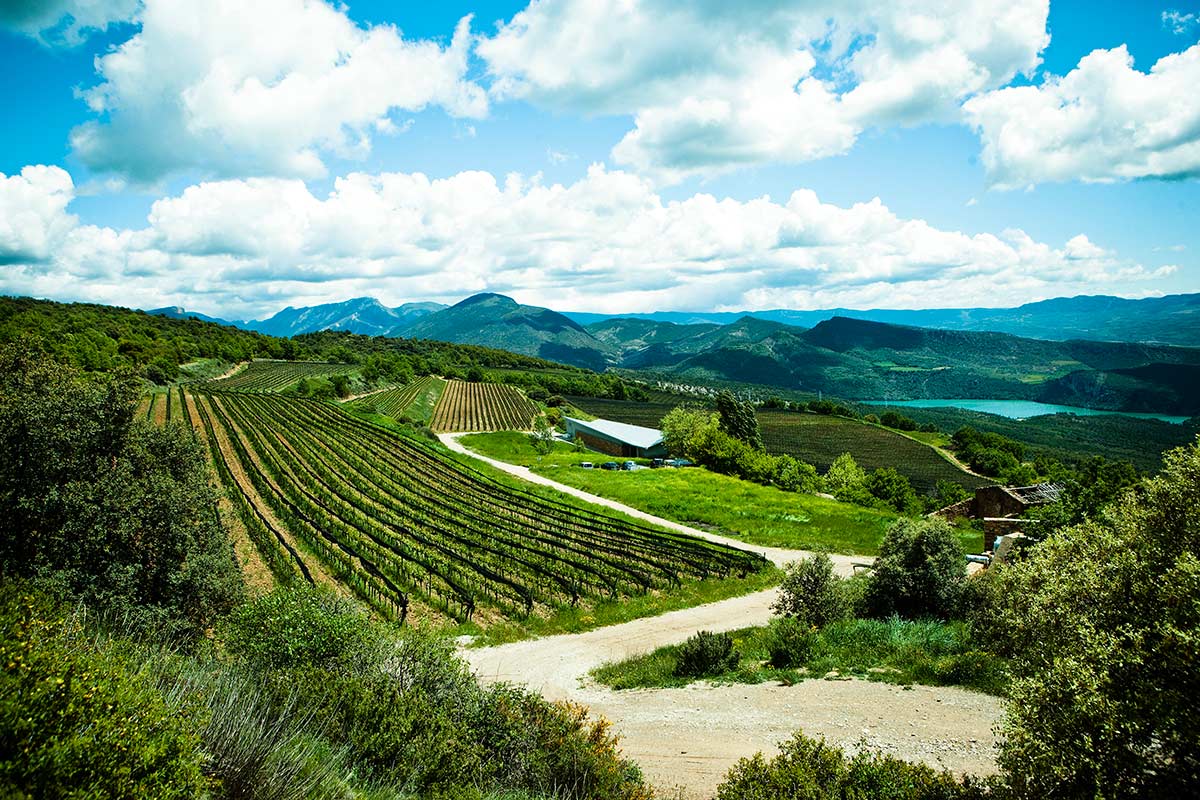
x=687, y=738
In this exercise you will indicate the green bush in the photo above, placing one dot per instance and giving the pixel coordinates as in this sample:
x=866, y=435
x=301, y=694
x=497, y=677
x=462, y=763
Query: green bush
x=793, y=475
x=893, y=489
x=1102, y=621
x=790, y=642
x=115, y=512
x=705, y=654
x=78, y=720
x=810, y=769
x=811, y=592
x=301, y=627
x=919, y=572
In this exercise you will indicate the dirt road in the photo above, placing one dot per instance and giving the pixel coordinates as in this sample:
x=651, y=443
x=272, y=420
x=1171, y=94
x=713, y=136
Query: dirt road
x=688, y=738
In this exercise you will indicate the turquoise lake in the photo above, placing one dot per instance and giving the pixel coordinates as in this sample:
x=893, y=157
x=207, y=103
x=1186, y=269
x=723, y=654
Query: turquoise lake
x=1016, y=409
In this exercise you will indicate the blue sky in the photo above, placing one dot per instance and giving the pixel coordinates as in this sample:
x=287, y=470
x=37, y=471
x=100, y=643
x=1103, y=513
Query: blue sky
x=593, y=155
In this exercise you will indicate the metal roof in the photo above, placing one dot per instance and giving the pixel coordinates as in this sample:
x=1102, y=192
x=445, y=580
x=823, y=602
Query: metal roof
x=1038, y=494
x=634, y=435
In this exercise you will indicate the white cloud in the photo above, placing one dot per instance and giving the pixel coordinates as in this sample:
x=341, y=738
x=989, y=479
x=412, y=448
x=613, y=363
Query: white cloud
x=715, y=86
x=263, y=88
x=608, y=242
x=65, y=22
x=1178, y=22
x=33, y=215
x=1103, y=121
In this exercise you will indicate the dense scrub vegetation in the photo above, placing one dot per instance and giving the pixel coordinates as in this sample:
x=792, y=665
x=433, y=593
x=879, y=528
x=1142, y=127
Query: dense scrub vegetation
x=307, y=699
x=109, y=509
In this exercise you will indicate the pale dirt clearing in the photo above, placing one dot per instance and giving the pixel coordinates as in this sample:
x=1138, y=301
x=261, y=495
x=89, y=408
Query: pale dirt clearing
x=689, y=737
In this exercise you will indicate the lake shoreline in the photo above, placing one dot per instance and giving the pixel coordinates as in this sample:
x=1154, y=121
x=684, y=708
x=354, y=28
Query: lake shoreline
x=1020, y=409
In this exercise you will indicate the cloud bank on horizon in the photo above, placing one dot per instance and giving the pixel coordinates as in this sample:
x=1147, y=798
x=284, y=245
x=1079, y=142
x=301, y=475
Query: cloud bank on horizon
x=240, y=120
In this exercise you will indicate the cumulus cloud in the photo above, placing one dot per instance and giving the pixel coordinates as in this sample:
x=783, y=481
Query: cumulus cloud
x=263, y=88
x=1103, y=121
x=65, y=22
x=607, y=242
x=714, y=86
x=33, y=213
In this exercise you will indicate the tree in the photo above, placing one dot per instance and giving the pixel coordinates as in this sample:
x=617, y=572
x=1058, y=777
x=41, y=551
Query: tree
x=919, y=572
x=1102, y=625
x=811, y=592
x=542, y=436
x=738, y=419
x=115, y=512
x=475, y=375
x=684, y=428
x=891, y=487
x=794, y=475
x=845, y=477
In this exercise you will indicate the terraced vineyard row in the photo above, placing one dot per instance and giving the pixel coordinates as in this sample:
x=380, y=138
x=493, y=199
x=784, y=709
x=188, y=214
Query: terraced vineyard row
x=399, y=402
x=399, y=522
x=482, y=407
x=816, y=439
x=275, y=376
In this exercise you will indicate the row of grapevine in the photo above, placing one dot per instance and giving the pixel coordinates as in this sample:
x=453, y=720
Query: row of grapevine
x=396, y=402
x=275, y=376
x=482, y=407
x=396, y=519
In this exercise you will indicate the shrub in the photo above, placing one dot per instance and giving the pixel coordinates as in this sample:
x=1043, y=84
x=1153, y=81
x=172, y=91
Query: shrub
x=790, y=642
x=794, y=475
x=78, y=721
x=810, y=769
x=844, y=476
x=705, y=654
x=302, y=627
x=810, y=592
x=118, y=513
x=919, y=572
x=890, y=487
x=1103, y=624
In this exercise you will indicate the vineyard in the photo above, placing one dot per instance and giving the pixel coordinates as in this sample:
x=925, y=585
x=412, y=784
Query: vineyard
x=482, y=407
x=816, y=439
x=819, y=439
x=327, y=497
x=414, y=401
x=275, y=376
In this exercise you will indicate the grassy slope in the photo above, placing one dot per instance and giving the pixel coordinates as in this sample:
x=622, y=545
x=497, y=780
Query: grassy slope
x=817, y=439
x=894, y=651
x=754, y=514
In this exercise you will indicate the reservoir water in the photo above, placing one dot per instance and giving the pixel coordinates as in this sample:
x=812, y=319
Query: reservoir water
x=1016, y=409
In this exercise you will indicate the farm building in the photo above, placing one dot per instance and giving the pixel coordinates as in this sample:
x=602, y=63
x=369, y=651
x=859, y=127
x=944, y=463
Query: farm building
x=617, y=438
x=1001, y=507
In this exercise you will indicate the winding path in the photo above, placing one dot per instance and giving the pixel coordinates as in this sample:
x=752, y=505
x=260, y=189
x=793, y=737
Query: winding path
x=688, y=738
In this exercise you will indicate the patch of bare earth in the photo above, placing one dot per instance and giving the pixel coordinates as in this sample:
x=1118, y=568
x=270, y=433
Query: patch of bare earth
x=686, y=739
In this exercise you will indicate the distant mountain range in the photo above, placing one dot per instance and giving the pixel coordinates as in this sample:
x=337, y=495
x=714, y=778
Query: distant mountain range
x=1057, y=358
x=1174, y=319
x=364, y=315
